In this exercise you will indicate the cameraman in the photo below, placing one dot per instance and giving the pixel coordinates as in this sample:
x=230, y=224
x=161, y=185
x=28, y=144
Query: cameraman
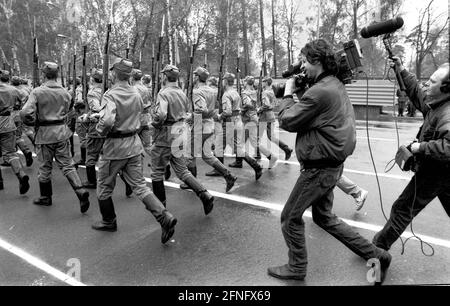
x=431, y=152
x=325, y=125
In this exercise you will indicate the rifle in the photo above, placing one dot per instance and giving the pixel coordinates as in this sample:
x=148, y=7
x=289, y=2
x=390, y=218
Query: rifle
x=153, y=71
x=85, y=78
x=62, y=71
x=222, y=60
x=106, y=51
x=238, y=72
x=74, y=80
x=259, y=97
x=190, y=80
x=35, y=63
x=158, y=63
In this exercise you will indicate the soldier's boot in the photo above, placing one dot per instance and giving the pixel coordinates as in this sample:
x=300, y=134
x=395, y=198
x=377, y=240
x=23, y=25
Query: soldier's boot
x=159, y=191
x=192, y=170
x=1, y=180
x=82, y=160
x=91, y=175
x=228, y=176
x=128, y=189
x=254, y=164
x=237, y=163
x=214, y=172
x=162, y=215
x=82, y=194
x=46, y=194
x=29, y=158
x=167, y=174
x=108, y=222
x=206, y=198
x=24, y=184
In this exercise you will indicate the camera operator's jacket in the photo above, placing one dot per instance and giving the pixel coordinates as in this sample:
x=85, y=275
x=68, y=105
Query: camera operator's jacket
x=434, y=136
x=324, y=121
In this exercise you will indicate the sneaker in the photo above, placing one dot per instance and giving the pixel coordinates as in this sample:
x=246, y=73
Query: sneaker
x=361, y=199
x=283, y=272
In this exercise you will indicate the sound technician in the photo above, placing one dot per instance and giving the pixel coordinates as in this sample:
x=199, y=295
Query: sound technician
x=431, y=153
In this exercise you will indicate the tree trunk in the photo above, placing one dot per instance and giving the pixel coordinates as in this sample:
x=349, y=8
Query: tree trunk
x=273, y=40
x=245, y=37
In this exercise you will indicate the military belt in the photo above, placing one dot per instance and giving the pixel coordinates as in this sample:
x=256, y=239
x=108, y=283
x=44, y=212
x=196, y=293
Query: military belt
x=121, y=135
x=51, y=122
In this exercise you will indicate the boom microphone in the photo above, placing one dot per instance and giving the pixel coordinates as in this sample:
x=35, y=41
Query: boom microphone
x=381, y=28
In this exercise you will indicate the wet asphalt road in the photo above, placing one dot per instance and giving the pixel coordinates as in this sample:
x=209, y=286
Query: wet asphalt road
x=232, y=246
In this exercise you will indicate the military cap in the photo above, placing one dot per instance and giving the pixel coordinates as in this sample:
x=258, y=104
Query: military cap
x=202, y=73
x=250, y=80
x=229, y=76
x=49, y=67
x=97, y=74
x=137, y=74
x=171, y=70
x=122, y=65
x=213, y=81
x=15, y=81
x=268, y=80
x=4, y=75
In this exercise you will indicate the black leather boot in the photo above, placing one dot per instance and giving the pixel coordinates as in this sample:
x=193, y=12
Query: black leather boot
x=288, y=152
x=46, y=194
x=82, y=160
x=254, y=164
x=193, y=170
x=128, y=190
x=108, y=222
x=202, y=193
x=29, y=159
x=167, y=174
x=229, y=178
x=91, y=182
x=162, y=215
x=237, y=163
x=215, y=172
x=159, y=191
x=1, y=180
x=24, y=184
x=82, y=194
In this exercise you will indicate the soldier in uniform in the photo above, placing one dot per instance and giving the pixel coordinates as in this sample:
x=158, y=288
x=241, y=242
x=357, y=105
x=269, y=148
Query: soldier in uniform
x=231, y=115
x=204, y=102
x=169, y=118
x=267, y=117
x=47, y=108
x=145, y=118
x=10, y=100
x=20, y=142
x=122, y=151
x=250, y=121
x=95, y=141
x=26, y=89
x=80, y=127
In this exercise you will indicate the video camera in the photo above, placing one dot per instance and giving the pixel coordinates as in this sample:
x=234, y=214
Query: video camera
x=347, y=59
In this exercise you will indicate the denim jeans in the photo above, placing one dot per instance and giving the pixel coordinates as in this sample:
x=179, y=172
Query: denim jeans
x=428, y=183
x=314, y=188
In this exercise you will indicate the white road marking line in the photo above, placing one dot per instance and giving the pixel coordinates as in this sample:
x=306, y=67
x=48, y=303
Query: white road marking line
x=308, y=214
x=36, y=262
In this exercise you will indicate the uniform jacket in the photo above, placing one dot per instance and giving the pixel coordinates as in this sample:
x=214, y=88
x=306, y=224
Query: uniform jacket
x=249, y=100
x=146, y=98
x=120, y=115
x=171, y=108
x=434, y=136
x=231, y=103
x=205, y=99
x=94, y=99
x=9, y=100
x=324, y=121
x=267, y=105
x=49, y=102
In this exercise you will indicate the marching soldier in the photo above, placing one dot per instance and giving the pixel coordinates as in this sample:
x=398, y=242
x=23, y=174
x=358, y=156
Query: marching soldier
x=231, y=115
x=145, y=118
x=80, y=127
x=250, y=121
x=169, y=118
x=95, y=141
x=26, y=89
x=20, y=142
x=204, y=100
x=122, y=151
x=267, y=117
x=10, y=100
x=47, y=108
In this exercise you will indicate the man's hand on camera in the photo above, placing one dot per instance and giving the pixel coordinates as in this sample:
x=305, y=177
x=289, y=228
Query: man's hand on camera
x=396, y=62
x=290, y=87
x=414, y=147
